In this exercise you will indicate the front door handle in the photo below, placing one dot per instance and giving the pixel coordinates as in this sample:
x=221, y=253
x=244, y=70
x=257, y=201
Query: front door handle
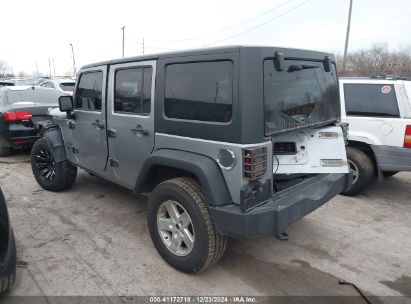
x=139, y=131
x=98, y=124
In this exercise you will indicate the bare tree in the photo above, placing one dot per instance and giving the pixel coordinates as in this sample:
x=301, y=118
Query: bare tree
x=4, y=68
x=377, y=60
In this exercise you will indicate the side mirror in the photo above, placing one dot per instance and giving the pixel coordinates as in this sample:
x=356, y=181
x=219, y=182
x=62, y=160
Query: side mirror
x=66, y=103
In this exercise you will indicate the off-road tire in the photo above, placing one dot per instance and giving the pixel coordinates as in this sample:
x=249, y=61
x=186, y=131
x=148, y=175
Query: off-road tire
x=66, y=173
x=209, y=245
x=8, y=274
x=366, y=171
x=5, y=151
x=388, y=174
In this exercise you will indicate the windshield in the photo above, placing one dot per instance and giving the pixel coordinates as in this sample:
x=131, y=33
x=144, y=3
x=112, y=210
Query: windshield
x=67, y=86
x=300, y=95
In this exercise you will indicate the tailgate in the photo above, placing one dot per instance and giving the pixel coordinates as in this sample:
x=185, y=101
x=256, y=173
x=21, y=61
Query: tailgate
x=314, y=150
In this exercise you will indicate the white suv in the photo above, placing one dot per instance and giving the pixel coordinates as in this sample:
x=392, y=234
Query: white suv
x=378, y=111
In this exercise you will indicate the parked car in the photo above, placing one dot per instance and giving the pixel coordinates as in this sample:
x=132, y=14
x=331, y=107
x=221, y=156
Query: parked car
x=378, y=111
x=225, y=141
x=20, y=107
x=6, y=83
x=7, y=249
x=62, y=84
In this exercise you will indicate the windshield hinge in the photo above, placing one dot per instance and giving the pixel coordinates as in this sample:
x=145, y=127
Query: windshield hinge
x=279, y=61
x=113, y=163
x=327, y=64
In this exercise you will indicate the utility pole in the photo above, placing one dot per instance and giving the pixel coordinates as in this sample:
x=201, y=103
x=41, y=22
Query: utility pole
x=37, y=68
x=143, y=45
x=54, y=67
x=123, y=39
x=347, y=37
x=74, y=61
x=49, y=68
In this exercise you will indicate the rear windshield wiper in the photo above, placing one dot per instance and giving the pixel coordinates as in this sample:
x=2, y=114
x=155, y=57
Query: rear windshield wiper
x=299, y=67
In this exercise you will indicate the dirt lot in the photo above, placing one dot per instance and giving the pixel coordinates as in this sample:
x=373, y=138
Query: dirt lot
x=93, y=240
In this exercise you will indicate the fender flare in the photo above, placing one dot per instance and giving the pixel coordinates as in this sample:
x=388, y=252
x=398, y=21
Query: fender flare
x=52, y=134
x=364, y=137
x=204, y=168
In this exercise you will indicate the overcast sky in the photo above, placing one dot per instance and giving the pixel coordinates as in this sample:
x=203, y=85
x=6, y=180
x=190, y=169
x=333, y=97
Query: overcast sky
x=35, y=30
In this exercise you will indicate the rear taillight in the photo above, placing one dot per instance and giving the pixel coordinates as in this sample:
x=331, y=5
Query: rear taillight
x=17, y=116
x=255, y=163
x=407, y=137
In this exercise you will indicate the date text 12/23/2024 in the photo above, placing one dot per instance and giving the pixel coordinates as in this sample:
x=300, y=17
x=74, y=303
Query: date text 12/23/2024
x=203, y=299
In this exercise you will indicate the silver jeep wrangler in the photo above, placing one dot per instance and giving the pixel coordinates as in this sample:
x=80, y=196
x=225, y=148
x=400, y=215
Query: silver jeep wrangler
x=227, y=142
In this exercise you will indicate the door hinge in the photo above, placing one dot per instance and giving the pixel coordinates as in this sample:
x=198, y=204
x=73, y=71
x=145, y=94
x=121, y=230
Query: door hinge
x=71, y=124
x=111, y=133
x=74, y=149
x=113, y=163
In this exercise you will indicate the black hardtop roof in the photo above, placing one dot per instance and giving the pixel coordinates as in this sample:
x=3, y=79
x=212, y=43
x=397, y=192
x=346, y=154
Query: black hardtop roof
x=288, y=52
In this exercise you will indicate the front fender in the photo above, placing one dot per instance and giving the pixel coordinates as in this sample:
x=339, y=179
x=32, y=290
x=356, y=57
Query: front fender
x=204, y=168
x=52, y=133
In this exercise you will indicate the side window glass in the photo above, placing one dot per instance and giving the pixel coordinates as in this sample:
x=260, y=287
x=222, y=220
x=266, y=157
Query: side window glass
x=200, y=91
x=48, y=85
x=90, y=91
x=375, y=100
x=132, y=93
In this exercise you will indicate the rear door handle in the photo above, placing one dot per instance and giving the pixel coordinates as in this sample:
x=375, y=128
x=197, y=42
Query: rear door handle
x=139, y=131
x=98, y=124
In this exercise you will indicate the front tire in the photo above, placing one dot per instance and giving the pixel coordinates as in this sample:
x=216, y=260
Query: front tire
x=8, y=274
x=181, y=227
x=363, y=170
x=51, y=175
x=7, y=249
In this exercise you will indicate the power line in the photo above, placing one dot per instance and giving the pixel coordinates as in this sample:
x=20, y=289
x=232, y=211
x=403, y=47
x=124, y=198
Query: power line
x=362, y=39
x=225, y=29
x=147, y=46
x=261, y=24
x=232, y=36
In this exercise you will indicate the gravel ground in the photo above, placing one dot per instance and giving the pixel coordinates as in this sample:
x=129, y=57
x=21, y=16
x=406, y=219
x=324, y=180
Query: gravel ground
x=93, y=240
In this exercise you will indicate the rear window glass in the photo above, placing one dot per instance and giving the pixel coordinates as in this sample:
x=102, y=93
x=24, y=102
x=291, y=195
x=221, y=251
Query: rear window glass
x=301, y=95
x=36, y=96
x=67, y=86
x=376, y=100
x=200, y=91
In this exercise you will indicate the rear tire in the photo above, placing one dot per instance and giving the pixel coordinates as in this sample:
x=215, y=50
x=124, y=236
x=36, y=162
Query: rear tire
x=50, y=175
x=184, y=198
x=388, y=174
x=5, y=151
x=363, y=170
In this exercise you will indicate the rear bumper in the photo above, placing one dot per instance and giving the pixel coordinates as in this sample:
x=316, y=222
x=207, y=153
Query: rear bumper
x=392, y=158
x=18, y=135
x=282, y=209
